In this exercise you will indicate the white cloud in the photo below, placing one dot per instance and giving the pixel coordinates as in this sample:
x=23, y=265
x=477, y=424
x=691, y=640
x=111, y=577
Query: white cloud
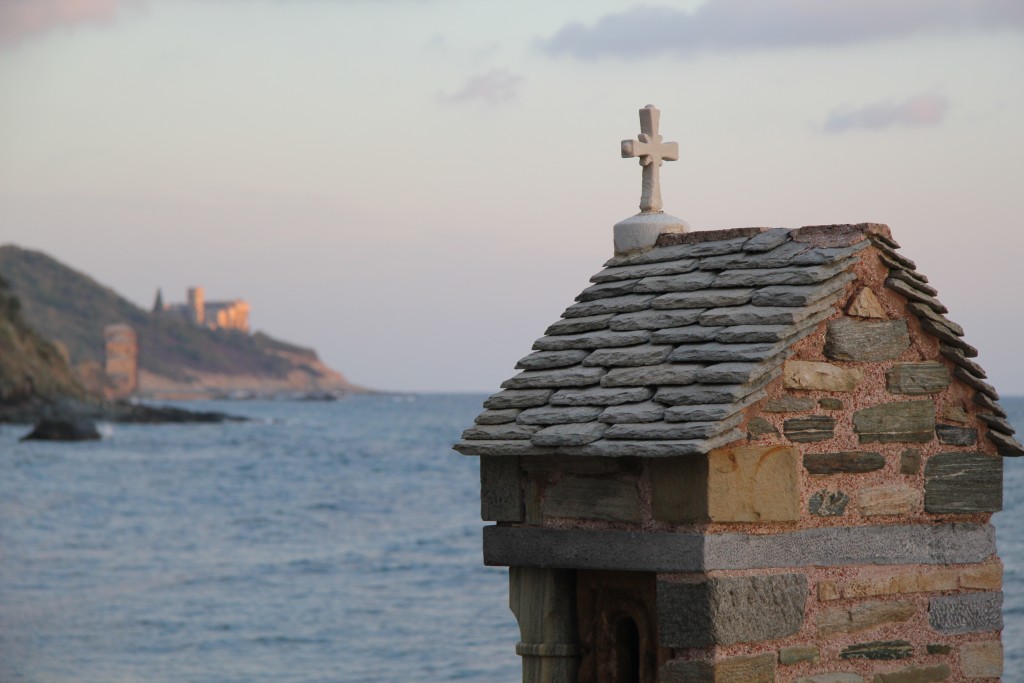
x=733, y=25
x=496, y=86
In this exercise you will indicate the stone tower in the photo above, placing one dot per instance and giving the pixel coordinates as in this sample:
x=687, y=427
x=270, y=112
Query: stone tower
x=196, y=305
x=749, y=456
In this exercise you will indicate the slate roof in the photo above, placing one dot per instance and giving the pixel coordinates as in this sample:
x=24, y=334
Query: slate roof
x=662, y=353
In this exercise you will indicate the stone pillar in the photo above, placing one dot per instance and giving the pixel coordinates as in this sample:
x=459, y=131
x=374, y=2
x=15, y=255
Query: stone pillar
x=544, y=602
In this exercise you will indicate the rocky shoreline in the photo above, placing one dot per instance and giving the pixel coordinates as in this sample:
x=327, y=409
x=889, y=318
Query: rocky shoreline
x=34, y=411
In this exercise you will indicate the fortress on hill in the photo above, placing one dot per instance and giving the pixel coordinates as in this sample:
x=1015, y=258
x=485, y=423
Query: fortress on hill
x=216, y=315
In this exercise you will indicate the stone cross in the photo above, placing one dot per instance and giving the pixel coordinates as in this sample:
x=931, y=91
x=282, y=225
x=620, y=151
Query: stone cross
x=652, y=151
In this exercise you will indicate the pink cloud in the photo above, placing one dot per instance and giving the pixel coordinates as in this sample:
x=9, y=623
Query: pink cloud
x=496, y=86
x=922, y=110
x=21, y=19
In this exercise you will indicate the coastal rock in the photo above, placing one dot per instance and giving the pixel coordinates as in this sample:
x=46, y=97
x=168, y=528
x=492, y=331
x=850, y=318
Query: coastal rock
x=63, y=429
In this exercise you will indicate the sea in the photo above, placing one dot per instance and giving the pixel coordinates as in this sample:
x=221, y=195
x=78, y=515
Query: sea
x=316, y=542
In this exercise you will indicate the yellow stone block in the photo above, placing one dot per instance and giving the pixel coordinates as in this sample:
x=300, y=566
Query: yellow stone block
x=828, y=590
x=923, y=582
x=982, y=660
x=754, y=484
x=888, y=500
x=985, y=577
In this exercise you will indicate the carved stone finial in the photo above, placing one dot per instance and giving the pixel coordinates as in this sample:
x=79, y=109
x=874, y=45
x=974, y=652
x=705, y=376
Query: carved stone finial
x=652, y=151
x=641, y=231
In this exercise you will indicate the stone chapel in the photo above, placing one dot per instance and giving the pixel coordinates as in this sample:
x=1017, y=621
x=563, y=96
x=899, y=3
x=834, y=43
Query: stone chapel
x=748, y=456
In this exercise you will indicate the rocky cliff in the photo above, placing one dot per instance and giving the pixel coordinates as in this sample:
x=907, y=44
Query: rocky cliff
x=175, y=358
x=31, y=369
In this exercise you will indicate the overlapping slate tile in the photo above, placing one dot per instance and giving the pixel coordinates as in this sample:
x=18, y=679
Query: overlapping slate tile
x=659, y=357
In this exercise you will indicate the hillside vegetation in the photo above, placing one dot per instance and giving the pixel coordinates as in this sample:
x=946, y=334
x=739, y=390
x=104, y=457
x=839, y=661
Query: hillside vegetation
x=68, y=307
x=31, y=368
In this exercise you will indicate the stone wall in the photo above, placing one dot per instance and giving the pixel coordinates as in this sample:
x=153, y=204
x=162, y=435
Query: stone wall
x=846, y=541
x=121, y=361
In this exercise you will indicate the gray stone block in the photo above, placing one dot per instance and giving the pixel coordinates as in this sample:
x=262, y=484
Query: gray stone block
x=500, y=431
x=727, y=610
x=501, y=495
x=1006, y=446
x=827, y=503
x=576, y=434
x=497, y=417
x=548, y=360
x=553, y=415
x=715, y=352
x=809, y=429
x=688, y=282
x=909, y=421
x=647, y=411
x=758, y=427
x=614, y=500
x=600, y=396
x=704, y=413
x=922, y=311
x=651, y=449
x=630, y=356
x=789, y=404
x=988, y=404
x=603, y=290
x=830, y=403
x=917, y=379
x=951, y=435
x=758, y=277
x=506, y=546
x=653, y=375
x=966, y=613
x=915, y=674
x=749, y=334
x=767, y=240
x=838, y=546
x=758, y=315
x=910, y=461
x=800, y=295
x=704, y=298
x=975, y=383
x=780, y=257
x=589, y=323
x=513, y=398
x=503, y=448
x=699, y=394
x=555, y=379
x=958, y=357
x=737, y=373
x=691, y=334
x=653, y=320
x=693, y=552
x=914, y=280
x=883, y=650
x=914, y=294
x=844, y=462
x=963, y=483
x=645, y=270
x=899, y=261
x=591, y=340
x=997, y=423
x=855, y=340
x=948, y=337
x=616, y=304
x=674, y=431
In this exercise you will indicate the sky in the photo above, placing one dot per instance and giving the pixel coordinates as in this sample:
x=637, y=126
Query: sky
x=418, y=188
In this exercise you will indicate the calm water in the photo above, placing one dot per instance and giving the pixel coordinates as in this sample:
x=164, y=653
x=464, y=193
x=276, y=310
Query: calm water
x=322, y=542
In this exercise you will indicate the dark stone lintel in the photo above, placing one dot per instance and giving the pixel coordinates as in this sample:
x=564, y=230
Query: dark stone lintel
x=690, y=552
